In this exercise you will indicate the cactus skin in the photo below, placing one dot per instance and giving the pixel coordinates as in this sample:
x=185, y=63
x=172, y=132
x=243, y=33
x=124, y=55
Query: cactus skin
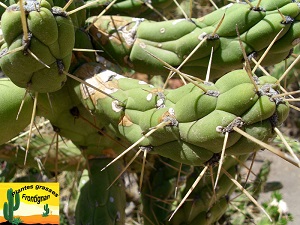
x=96, y=205
x=205, y=207
x=46, y=213
x=130, y=8
x=257, y=119
x=194, y=127
x=173, y=40
x=51, y=39
x=72, y=120
x=10, y=101
x=11, y=206
x=160, y=183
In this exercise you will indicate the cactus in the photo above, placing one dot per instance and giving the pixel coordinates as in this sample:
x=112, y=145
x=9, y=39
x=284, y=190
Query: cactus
x=50, y=38
x=11, y=97
x=128, y=39
x=46, y=209
x=197, y=132
x=103, y=206
x=11, y=206
x=195, y=127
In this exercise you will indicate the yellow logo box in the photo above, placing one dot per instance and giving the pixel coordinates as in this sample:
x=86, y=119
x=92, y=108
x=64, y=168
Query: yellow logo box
x=29, y=203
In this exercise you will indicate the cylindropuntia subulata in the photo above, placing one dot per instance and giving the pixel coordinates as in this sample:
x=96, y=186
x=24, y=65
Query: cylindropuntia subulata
x=171, y=123
x=127, y=39
x=36, y=59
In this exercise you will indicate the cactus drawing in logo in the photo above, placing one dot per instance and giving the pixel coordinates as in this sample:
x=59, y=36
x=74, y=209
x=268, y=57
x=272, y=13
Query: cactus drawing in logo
x=12, y=205
x=46, y=213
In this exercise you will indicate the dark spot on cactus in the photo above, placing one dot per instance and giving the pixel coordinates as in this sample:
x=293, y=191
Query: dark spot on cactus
x=63, y=83
x=237, y=122
x=213, y=37
x=213, y=93
x=26, y=43
x=75, y=112
x=3, y=52
x=147, y=148
x=82, y=148
x=288, y=20
x=29, y=84
x=56, y=129
x=227, y=198
x=236, y=168
x=288, y=56
x=274, y=120
x=252, y=55
x=214, y=160
x=101, y=131
x=60, y=66
x=257, y=9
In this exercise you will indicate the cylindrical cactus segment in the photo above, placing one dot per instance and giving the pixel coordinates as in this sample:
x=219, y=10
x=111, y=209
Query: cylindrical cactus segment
x=37, y=62
x=130, y=8
x=96, y=204
x=128, y=40
x=207, y=205
x=189, y=133
x=11, y=206
x=72, y=120
x=10, y=101
x=160, y=183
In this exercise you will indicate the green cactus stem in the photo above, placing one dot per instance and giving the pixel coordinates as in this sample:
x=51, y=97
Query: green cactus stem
x=11, y=206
